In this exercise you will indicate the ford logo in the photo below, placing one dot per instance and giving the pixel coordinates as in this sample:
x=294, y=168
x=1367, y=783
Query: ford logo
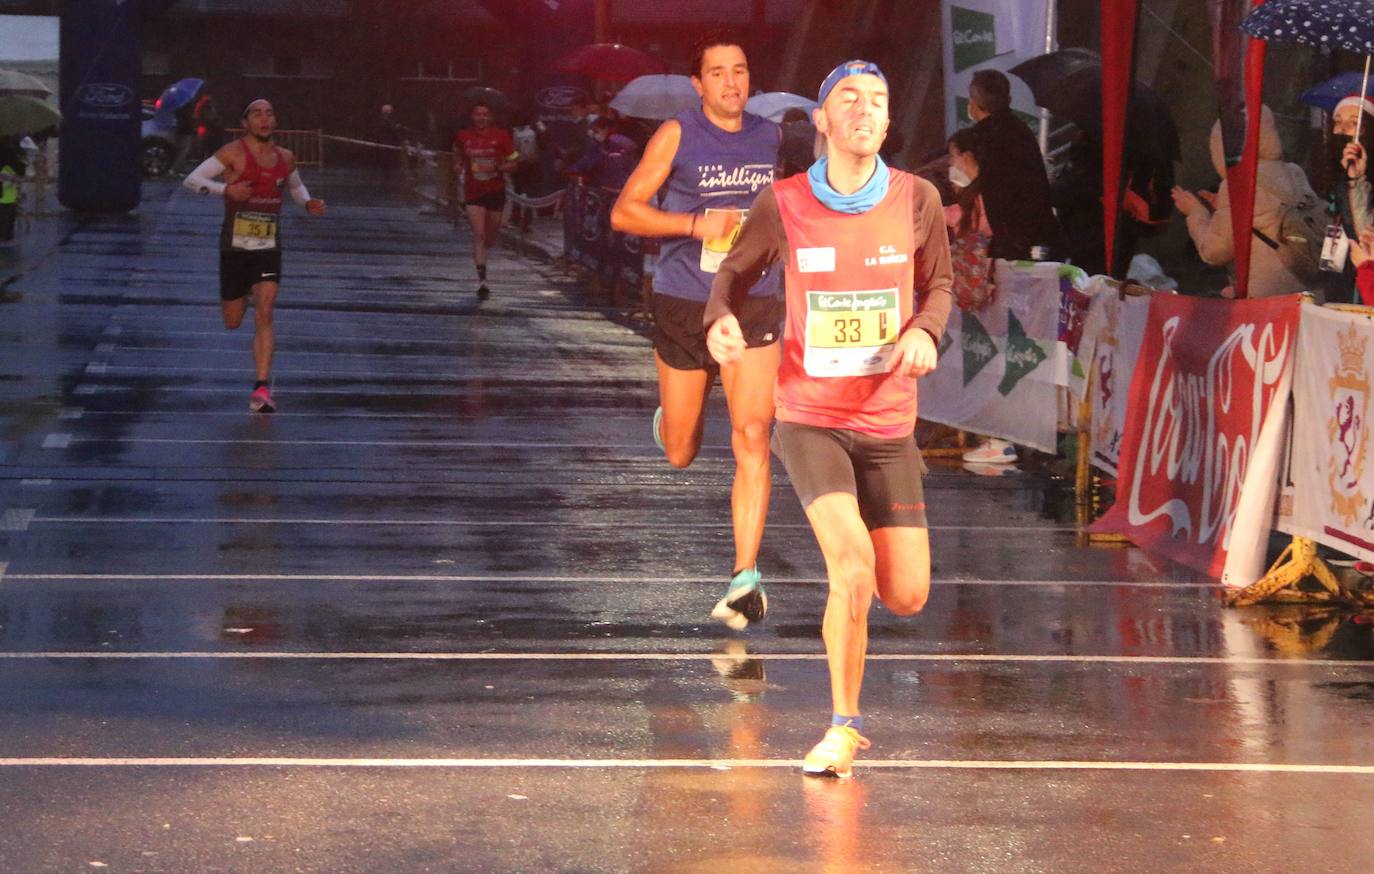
x=105, y=95
x=559, y=97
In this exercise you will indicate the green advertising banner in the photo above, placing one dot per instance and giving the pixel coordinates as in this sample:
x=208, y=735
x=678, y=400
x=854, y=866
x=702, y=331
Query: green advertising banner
x=990, y=33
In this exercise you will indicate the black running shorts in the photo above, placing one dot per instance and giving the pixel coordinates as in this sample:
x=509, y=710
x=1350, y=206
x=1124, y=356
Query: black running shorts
x=239, y=271
x=495, y=201
x=680, y=339
x=884, y=475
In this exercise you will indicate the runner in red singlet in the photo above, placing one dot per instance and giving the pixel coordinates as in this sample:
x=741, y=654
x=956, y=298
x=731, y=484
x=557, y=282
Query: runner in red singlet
x=867, y=288
x=486, y=154
x=256, y=172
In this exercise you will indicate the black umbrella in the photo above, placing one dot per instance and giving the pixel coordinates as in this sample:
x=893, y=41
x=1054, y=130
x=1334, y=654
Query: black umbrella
x=497, y=100
x=1069, y=84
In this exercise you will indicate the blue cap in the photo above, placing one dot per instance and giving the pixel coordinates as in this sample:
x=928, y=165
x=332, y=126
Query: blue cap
x=848, y=68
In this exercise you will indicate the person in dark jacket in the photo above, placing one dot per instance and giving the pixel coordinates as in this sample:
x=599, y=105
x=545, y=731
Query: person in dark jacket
x=1016, y=188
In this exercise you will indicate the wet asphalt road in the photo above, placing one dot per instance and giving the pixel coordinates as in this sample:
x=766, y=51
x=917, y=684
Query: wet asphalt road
x=446, y=610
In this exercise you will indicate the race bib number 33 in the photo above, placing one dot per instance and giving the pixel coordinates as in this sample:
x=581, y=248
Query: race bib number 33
x=851, y=333
x=255, y=230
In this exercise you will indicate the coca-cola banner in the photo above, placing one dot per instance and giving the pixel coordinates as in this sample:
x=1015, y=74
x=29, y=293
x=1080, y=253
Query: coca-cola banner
x=1204, y=432
x=1104, y=363
x=1332, y=469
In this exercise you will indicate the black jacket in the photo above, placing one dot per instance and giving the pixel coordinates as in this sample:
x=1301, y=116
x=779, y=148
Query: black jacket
x=1016, y=189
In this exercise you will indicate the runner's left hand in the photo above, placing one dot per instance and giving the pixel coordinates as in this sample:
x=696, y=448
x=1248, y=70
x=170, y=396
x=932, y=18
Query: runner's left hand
x=314, y=206
x=725, y=340
x=916, y=353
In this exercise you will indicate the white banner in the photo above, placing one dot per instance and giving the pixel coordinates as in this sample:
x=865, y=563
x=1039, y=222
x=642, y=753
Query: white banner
x=997, y=367
x=1107, y=356
x=989, y=33
x=1331, y=470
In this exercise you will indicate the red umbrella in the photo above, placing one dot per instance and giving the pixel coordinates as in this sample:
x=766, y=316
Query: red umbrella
x=613, y=61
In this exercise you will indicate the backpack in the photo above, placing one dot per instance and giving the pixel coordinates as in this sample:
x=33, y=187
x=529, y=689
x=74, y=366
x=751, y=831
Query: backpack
x=1302, y=230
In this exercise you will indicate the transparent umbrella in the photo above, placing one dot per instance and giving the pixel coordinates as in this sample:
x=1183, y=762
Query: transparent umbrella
x=15, y=82
x=658, y=96
x=21, y=114
x=772, y=104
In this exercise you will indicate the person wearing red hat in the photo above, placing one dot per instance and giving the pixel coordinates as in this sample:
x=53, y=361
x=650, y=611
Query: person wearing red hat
x=1350, y=160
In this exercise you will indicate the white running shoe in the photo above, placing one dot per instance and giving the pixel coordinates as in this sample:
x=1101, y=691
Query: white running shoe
x=834, y=755
x=994, y=451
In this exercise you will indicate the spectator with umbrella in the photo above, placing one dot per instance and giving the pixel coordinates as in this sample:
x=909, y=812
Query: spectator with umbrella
x=1069, y=84
x=1352, y=137
x=611, y=159
x=1329, y=25
x=12, y=168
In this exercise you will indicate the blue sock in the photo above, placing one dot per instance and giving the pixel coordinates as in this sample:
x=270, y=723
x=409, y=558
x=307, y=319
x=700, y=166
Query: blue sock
x=854, y=722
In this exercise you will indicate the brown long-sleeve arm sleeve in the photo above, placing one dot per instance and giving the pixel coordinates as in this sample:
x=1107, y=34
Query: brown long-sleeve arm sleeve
x=934, y=275
x=762, y=242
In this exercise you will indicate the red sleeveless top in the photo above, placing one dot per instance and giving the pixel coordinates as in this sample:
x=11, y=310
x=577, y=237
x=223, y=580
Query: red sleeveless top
x=850, y=291
x=253, y=224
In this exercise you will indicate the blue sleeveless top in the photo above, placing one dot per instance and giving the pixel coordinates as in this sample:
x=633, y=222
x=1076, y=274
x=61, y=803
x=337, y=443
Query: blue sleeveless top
x=720, y=169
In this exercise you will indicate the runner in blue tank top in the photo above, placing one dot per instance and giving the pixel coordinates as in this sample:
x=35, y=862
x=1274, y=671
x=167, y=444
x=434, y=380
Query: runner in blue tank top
x=709, y=164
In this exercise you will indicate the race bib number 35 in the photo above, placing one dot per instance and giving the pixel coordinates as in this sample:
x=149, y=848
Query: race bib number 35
x=851, y=333
x=255, y=230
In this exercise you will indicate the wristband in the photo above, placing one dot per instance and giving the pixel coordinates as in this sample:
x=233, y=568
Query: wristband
x=693, y=231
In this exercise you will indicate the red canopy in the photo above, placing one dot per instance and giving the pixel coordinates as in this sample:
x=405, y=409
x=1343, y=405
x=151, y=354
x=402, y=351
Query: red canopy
x=613, y=61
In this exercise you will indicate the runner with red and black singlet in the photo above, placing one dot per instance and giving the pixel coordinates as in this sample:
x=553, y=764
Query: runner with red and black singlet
x=486, y=153
x=867, y=290
x=256, y=172
x=710, y=163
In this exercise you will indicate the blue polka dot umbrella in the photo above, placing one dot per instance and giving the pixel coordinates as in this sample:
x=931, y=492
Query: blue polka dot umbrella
x=1328, y=24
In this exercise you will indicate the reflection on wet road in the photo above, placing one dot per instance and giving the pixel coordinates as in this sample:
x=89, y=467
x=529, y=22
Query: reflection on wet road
x=447, y=610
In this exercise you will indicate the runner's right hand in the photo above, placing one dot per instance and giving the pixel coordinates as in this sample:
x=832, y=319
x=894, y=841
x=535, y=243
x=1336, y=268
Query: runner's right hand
x=715, y=224
x=239, y=191
x=725, y=340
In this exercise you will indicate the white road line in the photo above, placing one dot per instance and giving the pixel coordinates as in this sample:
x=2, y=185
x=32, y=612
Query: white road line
x=462, y=578
x=421, y=444
x=716, y=764
x=601, y=416
x=935, y=658
x=648, y=384
x=70, y=413
x=57, y=441
x=480, y=523
x=443, y=348
x=16, y=519
x=280, y=370
x=36, y=481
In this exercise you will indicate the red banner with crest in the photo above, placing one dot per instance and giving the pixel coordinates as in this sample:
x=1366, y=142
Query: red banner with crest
x=1210, y=374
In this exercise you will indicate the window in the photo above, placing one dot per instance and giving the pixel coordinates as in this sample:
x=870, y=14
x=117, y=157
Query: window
x=464, y=70
x=157, y=64
x=287, y=67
